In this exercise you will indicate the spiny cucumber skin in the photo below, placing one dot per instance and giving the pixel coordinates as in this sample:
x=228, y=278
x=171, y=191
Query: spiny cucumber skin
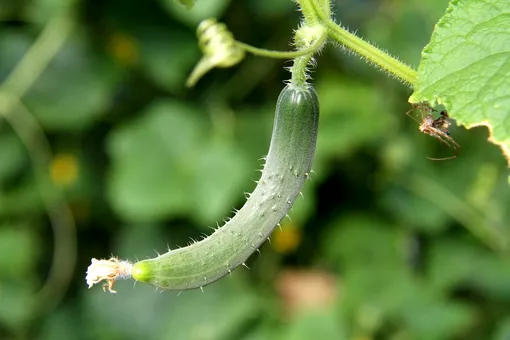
x=287, y=166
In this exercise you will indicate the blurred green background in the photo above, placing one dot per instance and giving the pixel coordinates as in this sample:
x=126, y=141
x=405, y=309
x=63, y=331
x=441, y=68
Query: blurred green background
x=386, y=244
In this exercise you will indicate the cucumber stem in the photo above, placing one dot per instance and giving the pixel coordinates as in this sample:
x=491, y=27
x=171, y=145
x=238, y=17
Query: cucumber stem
x=369, y=52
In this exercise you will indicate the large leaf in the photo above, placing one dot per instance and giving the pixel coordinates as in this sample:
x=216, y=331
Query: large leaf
x=465, y=67
x=166, y=164
x=153, y=160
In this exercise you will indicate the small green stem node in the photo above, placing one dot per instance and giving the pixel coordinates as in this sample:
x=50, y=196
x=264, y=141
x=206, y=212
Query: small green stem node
x=306, y=36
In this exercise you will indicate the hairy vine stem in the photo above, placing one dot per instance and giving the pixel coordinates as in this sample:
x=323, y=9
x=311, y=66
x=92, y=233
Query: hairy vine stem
x=280, y=54
x=220, y=48
x=316, y=12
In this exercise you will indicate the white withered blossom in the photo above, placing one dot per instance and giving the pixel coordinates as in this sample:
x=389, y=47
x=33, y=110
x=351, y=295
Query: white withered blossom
x=109, y=271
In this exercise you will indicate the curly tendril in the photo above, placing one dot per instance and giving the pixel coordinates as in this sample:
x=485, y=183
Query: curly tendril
x=219, y=49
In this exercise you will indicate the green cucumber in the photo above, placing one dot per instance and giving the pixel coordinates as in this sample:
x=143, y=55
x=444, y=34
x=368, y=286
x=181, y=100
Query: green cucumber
x=288, y=164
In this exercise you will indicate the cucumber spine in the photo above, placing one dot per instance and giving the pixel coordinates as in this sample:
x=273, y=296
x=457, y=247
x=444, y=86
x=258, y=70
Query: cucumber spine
x=288, y=164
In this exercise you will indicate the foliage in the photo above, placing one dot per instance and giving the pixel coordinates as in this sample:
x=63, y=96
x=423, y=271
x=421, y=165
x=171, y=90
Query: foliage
x=465, y=67
x=385, y=244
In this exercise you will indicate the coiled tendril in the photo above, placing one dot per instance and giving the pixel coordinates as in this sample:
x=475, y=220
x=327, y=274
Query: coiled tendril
x=219, y=49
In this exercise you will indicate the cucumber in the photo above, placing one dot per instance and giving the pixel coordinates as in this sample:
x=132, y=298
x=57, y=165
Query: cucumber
x=288, y=164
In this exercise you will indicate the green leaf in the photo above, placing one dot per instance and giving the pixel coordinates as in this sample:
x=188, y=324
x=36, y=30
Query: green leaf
x=153, y=158
x=166, y=163
x=465, y=67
